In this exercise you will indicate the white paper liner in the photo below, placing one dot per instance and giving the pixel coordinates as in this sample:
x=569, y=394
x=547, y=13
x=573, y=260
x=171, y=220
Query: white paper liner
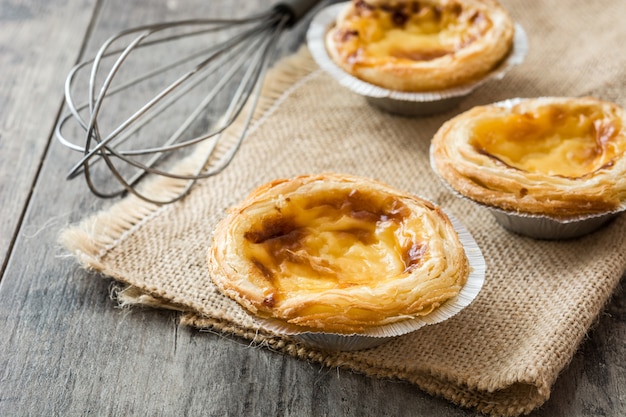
x=402, y=102
x=377, y=335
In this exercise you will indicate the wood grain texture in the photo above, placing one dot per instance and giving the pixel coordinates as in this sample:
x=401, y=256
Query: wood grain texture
x=39, y=42
x=66, y=350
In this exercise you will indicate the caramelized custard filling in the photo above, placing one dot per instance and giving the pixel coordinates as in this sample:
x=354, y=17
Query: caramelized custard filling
x=411, y=31
x=552, y=140
x=335, y=241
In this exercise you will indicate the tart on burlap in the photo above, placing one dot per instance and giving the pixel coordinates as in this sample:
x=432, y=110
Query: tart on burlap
x=419, y=46
x=337, y=253
x=556, y=157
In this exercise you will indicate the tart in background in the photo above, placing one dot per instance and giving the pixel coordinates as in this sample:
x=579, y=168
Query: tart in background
x=418, y=46
x=416, y=58
x=550, y=160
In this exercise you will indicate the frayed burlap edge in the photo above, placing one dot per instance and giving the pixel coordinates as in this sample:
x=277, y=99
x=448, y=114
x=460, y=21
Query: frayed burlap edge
x=527, y=395
x=520, y=397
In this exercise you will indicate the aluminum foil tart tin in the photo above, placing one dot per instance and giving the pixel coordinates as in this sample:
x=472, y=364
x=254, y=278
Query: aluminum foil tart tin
x=399, y=102
x=378, y=335
x=549, y=228
x=534, y=225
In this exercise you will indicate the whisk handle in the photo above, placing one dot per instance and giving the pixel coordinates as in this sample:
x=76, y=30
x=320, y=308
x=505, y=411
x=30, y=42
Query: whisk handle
x=295, y=9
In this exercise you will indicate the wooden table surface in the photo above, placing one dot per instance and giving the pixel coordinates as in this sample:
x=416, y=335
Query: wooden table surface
x=66, y=350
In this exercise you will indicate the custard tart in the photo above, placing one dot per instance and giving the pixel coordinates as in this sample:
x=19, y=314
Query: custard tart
x=336, y=253
x=420, y=46
x=554, y=156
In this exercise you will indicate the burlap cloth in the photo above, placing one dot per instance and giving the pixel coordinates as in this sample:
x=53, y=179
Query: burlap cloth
x=501, y=354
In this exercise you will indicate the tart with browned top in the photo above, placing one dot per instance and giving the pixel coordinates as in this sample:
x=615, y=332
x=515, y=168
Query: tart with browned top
x=556, y=156
x=419, y=46
x=337, y=253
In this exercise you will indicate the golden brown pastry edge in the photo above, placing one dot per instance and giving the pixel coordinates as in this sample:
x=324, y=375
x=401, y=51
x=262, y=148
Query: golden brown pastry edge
x=466, y=66
x=229, y=274
x=509, y=189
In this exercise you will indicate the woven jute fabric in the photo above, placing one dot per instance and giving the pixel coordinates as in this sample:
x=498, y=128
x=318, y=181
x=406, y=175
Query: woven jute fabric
x=501, y=354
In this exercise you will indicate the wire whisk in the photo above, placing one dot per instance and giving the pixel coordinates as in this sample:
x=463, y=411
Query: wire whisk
x=153, y=91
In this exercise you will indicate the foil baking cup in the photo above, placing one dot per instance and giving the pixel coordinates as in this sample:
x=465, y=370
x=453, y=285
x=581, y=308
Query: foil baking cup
x=537, y=226
x=549, y=228
x=400, y=102
x=378, y=335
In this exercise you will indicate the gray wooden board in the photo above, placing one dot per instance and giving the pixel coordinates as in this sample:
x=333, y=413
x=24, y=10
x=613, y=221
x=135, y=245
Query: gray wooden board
x=39, y=42
x=66, y=349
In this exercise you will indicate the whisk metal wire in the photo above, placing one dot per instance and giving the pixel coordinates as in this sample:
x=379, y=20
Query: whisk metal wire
x=253, y=48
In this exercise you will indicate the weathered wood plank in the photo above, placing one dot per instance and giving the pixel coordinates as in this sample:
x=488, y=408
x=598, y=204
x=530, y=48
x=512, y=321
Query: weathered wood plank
x=39, y=43
x=65, y=350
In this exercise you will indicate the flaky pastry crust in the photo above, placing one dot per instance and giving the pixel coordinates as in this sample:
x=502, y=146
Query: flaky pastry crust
x=553, y=156
x=336, y=253
x=419, y=46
